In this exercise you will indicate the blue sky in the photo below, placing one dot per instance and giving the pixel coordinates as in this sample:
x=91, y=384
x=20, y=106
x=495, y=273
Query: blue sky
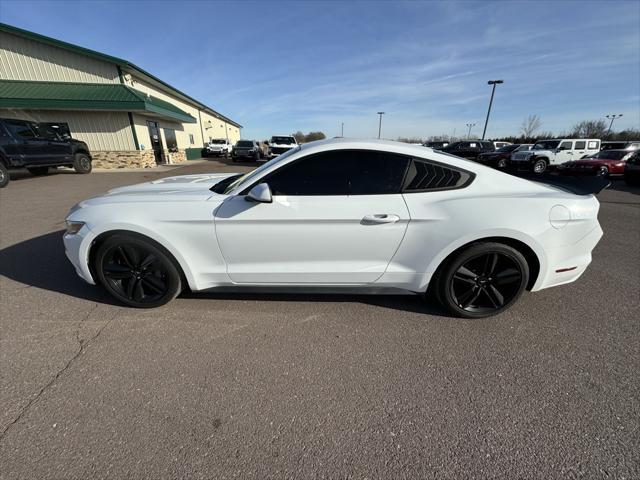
x=277, y=67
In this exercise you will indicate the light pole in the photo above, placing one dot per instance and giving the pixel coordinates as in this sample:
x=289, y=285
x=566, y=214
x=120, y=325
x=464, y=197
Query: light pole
x=470, y=125
x=612, y=117
x=342, y=130
x=380, y=123
x=493, y=91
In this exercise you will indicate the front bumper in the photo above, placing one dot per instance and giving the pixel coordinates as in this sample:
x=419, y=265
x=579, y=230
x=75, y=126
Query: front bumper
x=76, y=248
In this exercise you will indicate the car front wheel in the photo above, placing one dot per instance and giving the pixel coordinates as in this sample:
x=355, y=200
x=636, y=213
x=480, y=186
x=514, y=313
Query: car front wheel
x=482, y=280
x=137, y=272
x=82, y=163
x=540, y=166
x=603, y=171
x=4, y=175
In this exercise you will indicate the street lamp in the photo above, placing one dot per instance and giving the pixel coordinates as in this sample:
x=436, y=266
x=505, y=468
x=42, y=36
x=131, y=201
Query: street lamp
x=380, y=123
x=612, y=117
x=342, y=130
x=493, y=91
x=470, y=125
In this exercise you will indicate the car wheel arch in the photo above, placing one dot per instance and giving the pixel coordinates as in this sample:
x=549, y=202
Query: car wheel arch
x=179, y=262
x=531, y=252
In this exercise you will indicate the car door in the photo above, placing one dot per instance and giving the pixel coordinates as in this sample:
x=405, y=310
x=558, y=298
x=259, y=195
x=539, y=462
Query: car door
x=29, y=148
x=565, y=152
x=57, y=149
x=337, y=217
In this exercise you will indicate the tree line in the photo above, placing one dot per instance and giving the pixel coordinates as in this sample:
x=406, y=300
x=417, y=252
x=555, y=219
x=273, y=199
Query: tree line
x=531, y=130
x=309, y=137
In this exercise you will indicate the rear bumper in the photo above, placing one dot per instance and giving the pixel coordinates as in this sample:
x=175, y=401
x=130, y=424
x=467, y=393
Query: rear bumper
x=566, y=264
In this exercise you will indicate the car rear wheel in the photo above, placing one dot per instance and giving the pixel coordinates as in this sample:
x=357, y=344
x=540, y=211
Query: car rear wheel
x=4, y=175
x=37, y=171
x=82, y=163
x=482, y=280
x=502, y=163
x=540, y=166
x=137, y=272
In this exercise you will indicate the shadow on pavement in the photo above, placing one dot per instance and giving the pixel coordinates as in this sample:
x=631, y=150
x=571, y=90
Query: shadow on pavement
x=41, y=262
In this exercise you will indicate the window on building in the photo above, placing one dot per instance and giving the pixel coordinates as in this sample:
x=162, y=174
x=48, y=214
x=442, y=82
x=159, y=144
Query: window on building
x=170, y=138
x=344, y=172
x=191, y=139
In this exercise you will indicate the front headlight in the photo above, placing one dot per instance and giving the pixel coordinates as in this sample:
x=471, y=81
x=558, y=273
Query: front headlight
x=73, y=227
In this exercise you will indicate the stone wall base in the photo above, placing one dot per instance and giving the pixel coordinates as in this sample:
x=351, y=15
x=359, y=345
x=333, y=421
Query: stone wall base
x=133, y=158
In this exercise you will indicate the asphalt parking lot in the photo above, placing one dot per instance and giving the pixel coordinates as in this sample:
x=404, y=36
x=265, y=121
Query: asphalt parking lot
x=251, y=385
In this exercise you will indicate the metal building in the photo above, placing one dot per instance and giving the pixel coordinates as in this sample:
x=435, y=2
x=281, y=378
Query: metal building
x=127, y=116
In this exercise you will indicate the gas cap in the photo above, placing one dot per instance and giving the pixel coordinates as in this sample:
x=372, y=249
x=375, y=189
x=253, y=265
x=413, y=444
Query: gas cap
x=559, y=216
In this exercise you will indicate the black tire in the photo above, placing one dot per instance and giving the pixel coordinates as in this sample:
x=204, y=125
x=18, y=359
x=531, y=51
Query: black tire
x=540, y=166
x=4, y=175
x=38, y=171
x=256, y=157
x=482, y=280
x=603, y=171
x=136, y=271
x=82, y=163
x=502, y=163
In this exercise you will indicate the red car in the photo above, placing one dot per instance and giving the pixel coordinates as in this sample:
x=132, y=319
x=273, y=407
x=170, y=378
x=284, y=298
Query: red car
x=605, y=162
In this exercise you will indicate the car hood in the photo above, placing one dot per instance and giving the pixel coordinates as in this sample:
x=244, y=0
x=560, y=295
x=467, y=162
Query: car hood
x=182, y=183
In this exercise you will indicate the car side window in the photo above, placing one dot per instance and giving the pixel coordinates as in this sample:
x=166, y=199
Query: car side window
x=424, y=175
x=340, y=172
x=21, y=129
x=566, y=145
x=580, y=145
x=593, y=145
x=463, y=146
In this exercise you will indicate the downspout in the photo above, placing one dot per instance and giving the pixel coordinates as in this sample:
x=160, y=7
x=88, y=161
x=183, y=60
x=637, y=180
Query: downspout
x=130, y=115
x=201, y=130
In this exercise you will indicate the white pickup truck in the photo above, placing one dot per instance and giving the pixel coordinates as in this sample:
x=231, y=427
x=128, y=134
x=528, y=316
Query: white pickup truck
x=280, y=144
x=551, y=153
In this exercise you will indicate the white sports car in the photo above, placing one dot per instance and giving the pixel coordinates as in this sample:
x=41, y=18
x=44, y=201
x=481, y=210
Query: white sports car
x=339, y=213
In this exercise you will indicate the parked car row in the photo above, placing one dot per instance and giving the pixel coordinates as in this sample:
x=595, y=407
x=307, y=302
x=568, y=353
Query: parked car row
x=34, y=146
x=570, y=156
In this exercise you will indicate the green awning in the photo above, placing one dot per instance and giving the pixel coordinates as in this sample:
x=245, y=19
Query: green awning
x=85, y=96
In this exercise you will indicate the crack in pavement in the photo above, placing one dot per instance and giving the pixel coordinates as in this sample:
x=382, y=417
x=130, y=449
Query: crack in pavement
x=82, y=347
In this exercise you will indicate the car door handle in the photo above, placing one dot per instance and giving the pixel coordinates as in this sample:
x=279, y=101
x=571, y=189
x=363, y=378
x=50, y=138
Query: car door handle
x=379, y=218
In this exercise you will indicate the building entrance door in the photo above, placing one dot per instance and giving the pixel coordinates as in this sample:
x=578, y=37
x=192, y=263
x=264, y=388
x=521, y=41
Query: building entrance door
x=156, y=141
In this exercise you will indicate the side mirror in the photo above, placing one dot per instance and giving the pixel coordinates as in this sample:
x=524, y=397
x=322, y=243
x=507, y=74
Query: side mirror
x=261, y=193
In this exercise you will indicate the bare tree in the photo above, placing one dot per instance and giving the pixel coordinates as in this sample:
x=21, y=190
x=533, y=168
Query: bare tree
x=530, y=126
x=590, y=129
x=313, y=136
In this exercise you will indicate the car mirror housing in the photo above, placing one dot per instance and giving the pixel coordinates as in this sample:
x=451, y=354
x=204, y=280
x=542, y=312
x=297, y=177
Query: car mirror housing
x=261, y=193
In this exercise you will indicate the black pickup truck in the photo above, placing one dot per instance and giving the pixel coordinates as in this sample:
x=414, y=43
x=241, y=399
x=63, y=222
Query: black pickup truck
x=30, y=145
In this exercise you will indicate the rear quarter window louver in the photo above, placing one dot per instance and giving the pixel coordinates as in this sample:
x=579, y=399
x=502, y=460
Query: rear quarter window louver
x=427, y=176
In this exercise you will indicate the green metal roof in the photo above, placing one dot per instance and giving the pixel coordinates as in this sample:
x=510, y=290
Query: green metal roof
x=124, y=64
x=85, y=96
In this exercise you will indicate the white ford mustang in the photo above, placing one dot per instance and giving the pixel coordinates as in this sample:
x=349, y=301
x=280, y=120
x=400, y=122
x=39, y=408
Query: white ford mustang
x=339, y=213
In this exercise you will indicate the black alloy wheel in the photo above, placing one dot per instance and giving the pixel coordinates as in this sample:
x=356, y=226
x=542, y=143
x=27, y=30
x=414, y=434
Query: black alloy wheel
x=137, y=272
x=483, y=280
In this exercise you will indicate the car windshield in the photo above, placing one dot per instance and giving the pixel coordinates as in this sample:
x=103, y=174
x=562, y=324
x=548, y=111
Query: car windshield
x=546, y=145
x=283, y=140
x=523, y=147
x=252, y=174
x=244, y=143
x=507, y=148
x=218, y=141
x=610, y=154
